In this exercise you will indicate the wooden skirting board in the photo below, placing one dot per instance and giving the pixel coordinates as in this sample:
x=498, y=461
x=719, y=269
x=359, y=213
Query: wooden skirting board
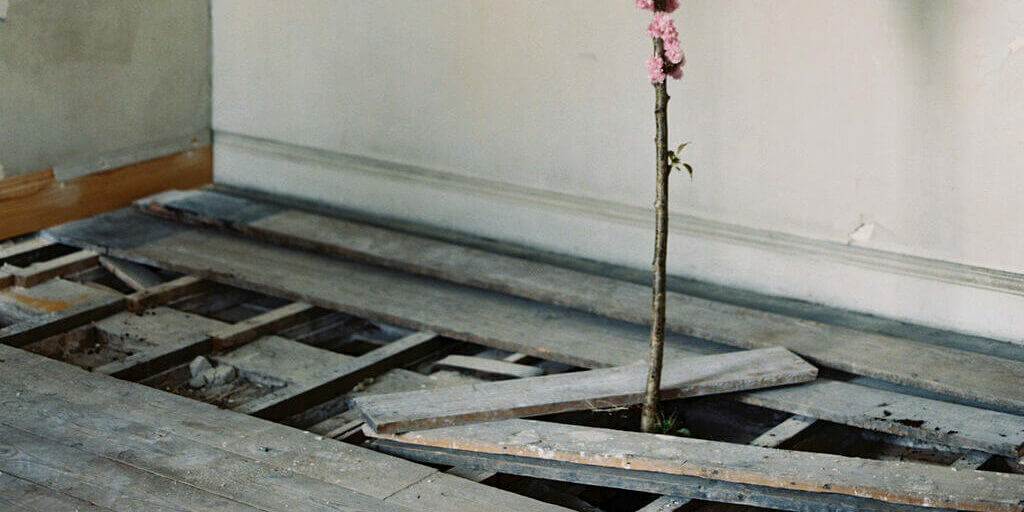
x=904, y=483
x=902, y=361
x=34, y=201
x=593, y=389
x=509, y=323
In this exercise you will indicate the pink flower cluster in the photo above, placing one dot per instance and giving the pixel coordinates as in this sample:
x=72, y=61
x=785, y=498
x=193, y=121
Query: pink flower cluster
x=670, y=5
x=664, y=28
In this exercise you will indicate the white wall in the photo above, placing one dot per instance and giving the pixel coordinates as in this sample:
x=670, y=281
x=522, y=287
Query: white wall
x=91, y=84
x=530, y=121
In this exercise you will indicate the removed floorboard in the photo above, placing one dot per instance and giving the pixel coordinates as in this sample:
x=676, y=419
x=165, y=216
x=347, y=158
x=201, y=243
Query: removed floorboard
x=892, y=482
x=487, y=367
x=490, y=319
x=136, y=276
x=243, y=458
x=898, y=360
x=594, y=389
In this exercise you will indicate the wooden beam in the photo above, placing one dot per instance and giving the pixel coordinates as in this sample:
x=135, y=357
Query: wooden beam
x=488, y=367
x=259, y=325
x=136, y=276
x=53, y=307
x=891, y=482
x=165, y=292
x=508, y=323
x=341, y=377
x=906, y=362
x=37, y=200
x=608, y=387
x=645, y=481
x=23, y=247
x=43, y=270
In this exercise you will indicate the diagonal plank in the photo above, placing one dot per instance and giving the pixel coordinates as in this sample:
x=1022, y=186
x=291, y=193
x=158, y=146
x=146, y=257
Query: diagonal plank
x=594, y=389
x=494, y=320
x=35, y=396
x=899, y=360
x=893, y=482
x=24, y=496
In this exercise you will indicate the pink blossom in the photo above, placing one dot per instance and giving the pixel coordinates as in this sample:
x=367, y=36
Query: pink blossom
x=655, y=69
x=662, y=26
x=673, y=52
x=676, y=72
x=648, y=5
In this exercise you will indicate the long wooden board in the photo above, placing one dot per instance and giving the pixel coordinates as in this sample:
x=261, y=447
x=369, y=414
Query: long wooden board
x=21, y=495
x=489, y=319
x=140, y=426
x=34, y=201
x=594, y=389
x=942, y=369
x=893, y=482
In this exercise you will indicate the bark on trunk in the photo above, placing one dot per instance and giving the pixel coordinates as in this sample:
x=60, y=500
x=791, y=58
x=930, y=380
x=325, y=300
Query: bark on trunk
x=650, y=417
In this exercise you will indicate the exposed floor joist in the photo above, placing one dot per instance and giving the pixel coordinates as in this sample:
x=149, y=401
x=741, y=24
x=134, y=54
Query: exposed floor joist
x=503, y=322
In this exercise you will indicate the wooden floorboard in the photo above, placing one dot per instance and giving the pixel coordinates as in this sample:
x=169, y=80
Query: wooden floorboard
x=140, y=426
x=100, y=480
x=53, y=307
x=898, y=360
x=594, y=389
x=24, y=496
x=501, y=321
x=905, y=483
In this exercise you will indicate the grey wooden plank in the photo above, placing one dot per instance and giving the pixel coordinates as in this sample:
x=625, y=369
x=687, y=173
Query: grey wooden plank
x=259, y=325
x=28, y=376
x=898, y=360
x=488, y=367
x=151, y=448
x=487, y=318
x=332, y=381
x=783, y=432
x=665, y=504
x=893, y=482
x=650, y=482
x=158, y=338
x=165, y=292
x=99, y=480
x=278, y=360
x=51, y=308
x=21, y=495
x=607, y=387
x=442, y=490
x=136, y=276
x=43, y=270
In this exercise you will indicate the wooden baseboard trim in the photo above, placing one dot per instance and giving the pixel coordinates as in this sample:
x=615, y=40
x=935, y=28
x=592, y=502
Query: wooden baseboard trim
x=34, y=201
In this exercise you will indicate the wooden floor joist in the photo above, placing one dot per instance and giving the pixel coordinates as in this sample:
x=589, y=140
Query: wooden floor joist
x=252, y=328
x=898, y=360
x=904, y=483
x=42, y=271
x=245, y=459
x=593, y=389
x=51, y=308
x=165, y=292
x=509, y=323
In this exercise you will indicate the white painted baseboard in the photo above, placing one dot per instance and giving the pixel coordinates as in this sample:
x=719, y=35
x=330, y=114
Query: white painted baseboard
x=971, y=299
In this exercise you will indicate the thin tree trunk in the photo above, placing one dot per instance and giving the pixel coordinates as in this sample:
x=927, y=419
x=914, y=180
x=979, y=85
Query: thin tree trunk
x=650, y=418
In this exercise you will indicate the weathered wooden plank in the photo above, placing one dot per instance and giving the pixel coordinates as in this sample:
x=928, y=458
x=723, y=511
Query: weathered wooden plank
x=158, y=339
x=21, y=495
x=896, y=413
x=339, y=378
x=462, y=494
x=608, y=387
x=646, y=481
x=95, y=401
x=136, y=276
x=898, y=360
x=893, y=482
x=665, y=504
x=486, y=318
x=971, y=460
x=26, y=246
x=783, y=432
x=43, y=270
x=165, y=292
x=51, y=308
x=259, y=325
x=488, y=367
x=99, y=480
